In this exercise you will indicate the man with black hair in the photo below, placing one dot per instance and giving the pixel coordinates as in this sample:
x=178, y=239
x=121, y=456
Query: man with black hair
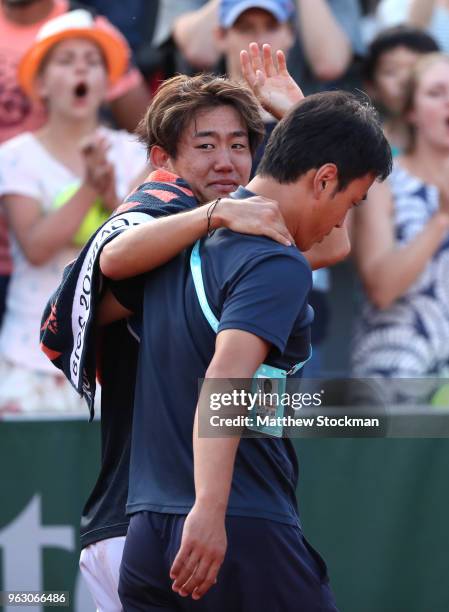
x=224, y=308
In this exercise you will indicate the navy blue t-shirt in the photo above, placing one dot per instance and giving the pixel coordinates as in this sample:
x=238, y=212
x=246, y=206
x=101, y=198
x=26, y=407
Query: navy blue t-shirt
x=254, y=284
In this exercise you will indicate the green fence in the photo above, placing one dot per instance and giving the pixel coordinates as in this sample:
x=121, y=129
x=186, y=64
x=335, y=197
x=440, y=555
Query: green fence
x=377, y=509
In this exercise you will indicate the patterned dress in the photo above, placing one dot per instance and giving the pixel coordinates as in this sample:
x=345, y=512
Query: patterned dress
x=410, y=339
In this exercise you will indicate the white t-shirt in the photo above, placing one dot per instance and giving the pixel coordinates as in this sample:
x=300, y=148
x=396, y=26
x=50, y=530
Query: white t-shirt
x=27, y=168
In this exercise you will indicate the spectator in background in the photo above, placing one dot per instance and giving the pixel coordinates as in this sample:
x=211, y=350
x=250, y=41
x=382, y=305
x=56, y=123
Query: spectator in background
x=430, y=15
x=402, y=243
x=52, y=185
x=261, y=21
x=328, y=32
x=388, y=65
x=20, y=20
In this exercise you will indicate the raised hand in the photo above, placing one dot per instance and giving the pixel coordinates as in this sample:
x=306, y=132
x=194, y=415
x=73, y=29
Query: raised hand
x=273, y=86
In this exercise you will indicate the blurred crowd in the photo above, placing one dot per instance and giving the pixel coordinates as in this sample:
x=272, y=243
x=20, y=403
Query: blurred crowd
x=68, y=157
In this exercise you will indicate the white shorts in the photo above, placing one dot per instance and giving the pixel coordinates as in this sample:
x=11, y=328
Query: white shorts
x=100, y=567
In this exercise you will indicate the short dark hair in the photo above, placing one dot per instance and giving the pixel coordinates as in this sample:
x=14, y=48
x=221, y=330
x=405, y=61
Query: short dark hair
x=328, y=127
x=179, y=99
x=412, y=39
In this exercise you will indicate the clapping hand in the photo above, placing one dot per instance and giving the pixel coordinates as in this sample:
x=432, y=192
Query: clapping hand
x=100, y=173
x=273, y=86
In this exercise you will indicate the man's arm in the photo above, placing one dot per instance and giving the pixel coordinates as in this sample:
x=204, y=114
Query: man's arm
x=110, y=310
x=333, y=249
x=238, y=354
x=193, y=33
x=143, y=248
x=148, y=246
x=257, y=313
x=326, y=45
x=386, y=269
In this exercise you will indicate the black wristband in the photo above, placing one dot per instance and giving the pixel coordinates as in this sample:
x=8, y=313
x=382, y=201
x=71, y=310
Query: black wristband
x=210, y=212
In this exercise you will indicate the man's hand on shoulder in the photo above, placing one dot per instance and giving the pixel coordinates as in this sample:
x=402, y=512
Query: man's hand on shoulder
x=256, y=215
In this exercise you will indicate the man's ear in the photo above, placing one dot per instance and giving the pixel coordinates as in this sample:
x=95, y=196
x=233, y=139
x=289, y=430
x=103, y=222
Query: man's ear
x=325, y=180
x=159, y=158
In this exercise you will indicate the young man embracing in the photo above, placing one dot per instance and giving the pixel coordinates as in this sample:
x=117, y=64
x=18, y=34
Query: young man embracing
x=209, y=505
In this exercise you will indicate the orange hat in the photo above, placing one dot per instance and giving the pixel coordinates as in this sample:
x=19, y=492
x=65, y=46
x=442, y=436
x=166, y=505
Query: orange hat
x=74, y=24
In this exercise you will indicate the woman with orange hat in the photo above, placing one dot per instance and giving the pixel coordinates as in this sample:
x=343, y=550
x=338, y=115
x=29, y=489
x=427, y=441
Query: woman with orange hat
x=56, y=186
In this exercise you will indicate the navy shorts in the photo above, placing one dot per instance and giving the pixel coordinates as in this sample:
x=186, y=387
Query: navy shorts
x=268, y=566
